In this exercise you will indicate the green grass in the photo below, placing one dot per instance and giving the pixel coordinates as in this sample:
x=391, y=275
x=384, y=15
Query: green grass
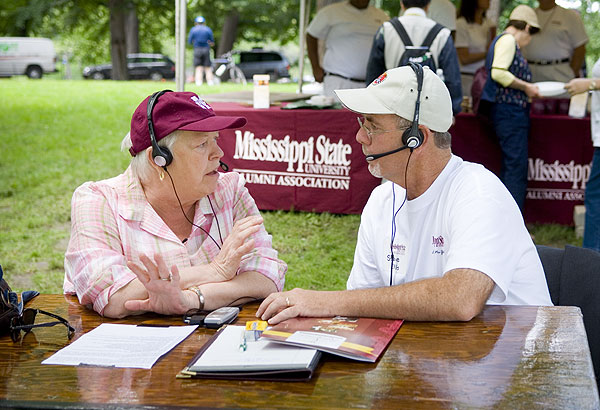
x=58, y=134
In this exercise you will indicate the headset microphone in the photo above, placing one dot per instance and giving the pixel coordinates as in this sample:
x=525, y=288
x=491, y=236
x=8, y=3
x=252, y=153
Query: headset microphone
x=373, y=157
x=224, y=166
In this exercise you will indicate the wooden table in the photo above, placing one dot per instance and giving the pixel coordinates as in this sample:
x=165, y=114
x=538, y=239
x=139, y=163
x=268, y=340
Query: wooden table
x=507, y=357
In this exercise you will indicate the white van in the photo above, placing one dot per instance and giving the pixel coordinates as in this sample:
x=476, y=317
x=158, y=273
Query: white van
x=26, y=55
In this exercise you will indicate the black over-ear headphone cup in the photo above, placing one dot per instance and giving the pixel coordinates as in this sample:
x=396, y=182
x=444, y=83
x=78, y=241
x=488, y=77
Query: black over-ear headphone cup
x=412, y=138
x=163, y=157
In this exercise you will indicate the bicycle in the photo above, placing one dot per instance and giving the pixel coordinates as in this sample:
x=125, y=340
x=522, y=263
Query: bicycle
x=226, y=64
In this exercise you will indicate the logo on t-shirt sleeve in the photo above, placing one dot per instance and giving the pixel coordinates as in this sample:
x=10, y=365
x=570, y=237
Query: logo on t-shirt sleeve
x=438, y=244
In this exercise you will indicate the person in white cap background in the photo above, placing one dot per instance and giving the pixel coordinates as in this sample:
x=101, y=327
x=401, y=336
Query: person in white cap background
x=171, y=233
x=442, y=237
x=507, y=95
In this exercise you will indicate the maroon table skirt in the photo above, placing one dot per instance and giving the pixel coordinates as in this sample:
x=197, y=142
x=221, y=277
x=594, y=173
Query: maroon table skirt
x=309, y=160
x=305, y=160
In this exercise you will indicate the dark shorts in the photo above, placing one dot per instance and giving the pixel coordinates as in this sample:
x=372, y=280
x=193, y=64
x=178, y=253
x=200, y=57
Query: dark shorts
x=202, y=56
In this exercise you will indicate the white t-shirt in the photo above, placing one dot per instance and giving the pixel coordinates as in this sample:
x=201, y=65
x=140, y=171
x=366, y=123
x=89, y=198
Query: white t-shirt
x=466, y=219
x=562, y=31
x=596, y=107
x=474, y=37
x=443, y=12
x=348, y=34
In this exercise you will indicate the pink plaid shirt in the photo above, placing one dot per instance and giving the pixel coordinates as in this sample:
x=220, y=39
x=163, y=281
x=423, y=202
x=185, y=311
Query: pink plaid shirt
x=112, y=223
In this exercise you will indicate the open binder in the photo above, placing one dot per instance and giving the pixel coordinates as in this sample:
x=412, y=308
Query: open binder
x=222, y=358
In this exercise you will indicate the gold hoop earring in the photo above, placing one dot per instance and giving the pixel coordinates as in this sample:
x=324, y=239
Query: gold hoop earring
x=161, y=176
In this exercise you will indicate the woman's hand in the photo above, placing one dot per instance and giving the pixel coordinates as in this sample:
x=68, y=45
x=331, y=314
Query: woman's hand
x=236, y=245
x=577, y=86
x=532, y=91
x=164, y=293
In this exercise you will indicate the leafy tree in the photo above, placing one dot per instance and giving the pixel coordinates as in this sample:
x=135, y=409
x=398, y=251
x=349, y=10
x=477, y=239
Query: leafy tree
x=591, y=20
x=258, y=21
x=82, y=27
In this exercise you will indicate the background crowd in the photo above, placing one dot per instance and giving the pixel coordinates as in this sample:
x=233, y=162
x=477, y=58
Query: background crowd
x=477, y=61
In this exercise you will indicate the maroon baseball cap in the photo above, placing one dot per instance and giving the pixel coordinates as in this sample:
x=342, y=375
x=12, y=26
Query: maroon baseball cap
x=176, y=111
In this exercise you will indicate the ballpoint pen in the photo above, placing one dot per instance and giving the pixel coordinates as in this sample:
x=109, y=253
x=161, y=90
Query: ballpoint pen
x=243, y=343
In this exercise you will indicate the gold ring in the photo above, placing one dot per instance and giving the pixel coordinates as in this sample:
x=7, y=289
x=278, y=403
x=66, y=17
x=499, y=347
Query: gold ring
x=287, y=301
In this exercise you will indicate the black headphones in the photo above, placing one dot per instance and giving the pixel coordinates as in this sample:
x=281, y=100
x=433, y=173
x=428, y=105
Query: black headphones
x=413, y=136
x=161, y=155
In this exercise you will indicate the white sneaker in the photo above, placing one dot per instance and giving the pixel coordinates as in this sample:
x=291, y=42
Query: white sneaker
x=198, y=83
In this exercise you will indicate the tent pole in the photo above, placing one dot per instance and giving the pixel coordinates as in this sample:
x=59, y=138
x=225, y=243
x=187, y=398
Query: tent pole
x=180, y=38
x=302, y=35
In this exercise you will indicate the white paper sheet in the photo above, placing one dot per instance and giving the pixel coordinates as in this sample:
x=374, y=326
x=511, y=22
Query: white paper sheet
x=578, y=105
x=115, y=345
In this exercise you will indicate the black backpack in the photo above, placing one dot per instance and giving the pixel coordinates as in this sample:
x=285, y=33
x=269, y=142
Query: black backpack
x=417, y=54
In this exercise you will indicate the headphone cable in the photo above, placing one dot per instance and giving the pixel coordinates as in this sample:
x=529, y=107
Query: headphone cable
x=216, y=219
x=188, y=219
x=394, y=213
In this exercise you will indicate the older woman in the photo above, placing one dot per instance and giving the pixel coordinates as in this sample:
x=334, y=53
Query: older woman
x=508, y=92
x=171, y=233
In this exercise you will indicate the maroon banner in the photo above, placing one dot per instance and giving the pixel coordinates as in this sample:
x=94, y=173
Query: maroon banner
x=309, y=160
x=305, y=160
x=560, y=156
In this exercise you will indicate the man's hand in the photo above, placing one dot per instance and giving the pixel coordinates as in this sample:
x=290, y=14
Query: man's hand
x=236, y=245
x=280, y=306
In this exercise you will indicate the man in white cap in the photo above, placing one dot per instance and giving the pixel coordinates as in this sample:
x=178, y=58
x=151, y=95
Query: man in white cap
x=438, y=241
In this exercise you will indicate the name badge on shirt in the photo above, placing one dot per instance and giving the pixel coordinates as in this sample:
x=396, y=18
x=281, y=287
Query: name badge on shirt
x=397, y=267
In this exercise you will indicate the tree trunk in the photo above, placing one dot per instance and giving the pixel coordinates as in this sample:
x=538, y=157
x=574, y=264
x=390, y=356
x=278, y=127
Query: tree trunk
x=132, y=30
x=228, y=33
x=118, y=47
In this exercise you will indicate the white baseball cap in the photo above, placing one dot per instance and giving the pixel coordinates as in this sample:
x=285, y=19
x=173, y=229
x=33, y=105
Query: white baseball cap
x=395, y=92
x=526, y=14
